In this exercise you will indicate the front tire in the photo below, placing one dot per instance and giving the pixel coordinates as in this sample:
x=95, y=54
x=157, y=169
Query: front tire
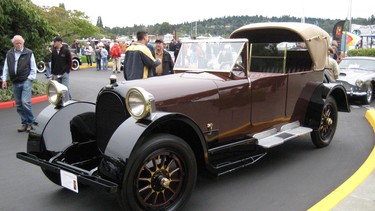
x=52, y=176
x=322, y=136
x=160, y=175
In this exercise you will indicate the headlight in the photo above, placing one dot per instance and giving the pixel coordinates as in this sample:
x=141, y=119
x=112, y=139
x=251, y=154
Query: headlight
x=359, y=82
x=57, y=93
x=139, y=102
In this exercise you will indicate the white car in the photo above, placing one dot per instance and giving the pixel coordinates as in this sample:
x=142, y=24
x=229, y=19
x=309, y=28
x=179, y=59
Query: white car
x=357, y=74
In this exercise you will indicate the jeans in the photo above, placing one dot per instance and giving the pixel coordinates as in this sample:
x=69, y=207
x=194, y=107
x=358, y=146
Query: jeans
x=64, y=80
x=22, y=95
x=48, y=70
x=105, y=63
x=89, y=61
x=98, y=64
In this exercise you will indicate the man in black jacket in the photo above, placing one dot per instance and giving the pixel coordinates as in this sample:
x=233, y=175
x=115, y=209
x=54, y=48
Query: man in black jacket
x=20, y=66
x=61, y=62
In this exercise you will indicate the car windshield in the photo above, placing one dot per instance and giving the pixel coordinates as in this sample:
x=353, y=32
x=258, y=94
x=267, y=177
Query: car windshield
x=210, y=55
x=363, y=64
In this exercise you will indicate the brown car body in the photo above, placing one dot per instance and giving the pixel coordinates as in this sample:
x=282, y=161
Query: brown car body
x=147, y=139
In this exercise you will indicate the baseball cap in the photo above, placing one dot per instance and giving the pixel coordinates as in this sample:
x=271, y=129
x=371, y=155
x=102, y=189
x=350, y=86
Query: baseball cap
x=57, y=38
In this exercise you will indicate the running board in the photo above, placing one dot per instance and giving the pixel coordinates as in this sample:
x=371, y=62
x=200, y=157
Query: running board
x=274, y=137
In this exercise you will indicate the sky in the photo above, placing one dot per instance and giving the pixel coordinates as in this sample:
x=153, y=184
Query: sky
x=121, y=13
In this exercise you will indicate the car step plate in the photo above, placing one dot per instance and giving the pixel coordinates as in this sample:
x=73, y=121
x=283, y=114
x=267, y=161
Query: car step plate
x=281, y=137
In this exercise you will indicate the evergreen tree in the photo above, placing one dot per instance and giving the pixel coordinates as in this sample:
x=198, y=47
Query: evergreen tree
x=99, y=22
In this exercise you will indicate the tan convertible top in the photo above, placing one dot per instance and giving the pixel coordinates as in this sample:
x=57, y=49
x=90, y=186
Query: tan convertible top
x=316, y=38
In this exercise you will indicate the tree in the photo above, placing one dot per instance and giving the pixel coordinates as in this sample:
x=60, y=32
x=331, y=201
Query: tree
x=165, y=28
x=69, y=24
x=99, y=22
x=21, y=17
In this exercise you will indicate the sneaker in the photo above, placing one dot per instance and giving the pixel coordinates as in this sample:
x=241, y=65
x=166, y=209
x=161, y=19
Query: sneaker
x=118, y=72
x=23, y=128
x=113, y=71
x=28, y=128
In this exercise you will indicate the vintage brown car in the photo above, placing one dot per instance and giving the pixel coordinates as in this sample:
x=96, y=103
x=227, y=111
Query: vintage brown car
x=228, y=103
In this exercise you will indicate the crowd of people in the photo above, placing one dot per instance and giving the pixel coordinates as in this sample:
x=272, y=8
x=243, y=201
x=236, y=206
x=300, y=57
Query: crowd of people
x=142, y=59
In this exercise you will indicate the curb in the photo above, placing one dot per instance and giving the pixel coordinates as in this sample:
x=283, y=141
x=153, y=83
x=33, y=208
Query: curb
x=345, y=189
x=12, y=103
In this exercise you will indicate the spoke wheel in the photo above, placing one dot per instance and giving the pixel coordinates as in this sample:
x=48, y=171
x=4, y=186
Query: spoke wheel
x=160, y=175
x=328, y=122
x=160, y=180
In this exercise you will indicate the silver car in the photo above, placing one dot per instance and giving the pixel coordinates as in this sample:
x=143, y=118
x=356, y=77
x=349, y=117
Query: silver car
x=357, y=74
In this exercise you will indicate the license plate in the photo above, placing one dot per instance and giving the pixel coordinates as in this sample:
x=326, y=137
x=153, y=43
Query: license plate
x=69, y=180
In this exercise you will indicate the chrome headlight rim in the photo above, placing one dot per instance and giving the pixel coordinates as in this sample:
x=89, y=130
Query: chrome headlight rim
x=139, y=102
x=55, y=92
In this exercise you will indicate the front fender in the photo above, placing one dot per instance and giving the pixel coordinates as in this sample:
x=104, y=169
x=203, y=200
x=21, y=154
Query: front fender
x=131, y=133
x=52, y=132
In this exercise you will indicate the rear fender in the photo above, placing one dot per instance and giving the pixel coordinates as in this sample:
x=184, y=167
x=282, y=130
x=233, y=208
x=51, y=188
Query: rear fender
x=321, y=93
x=338, y=92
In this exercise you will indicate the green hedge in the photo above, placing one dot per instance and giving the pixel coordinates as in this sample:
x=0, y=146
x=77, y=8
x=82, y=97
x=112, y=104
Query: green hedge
x=84, y=60
x=39, y=88
x=362, y=52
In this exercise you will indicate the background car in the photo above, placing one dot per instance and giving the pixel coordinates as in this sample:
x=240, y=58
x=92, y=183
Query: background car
x=357, y=74
x=76, y=61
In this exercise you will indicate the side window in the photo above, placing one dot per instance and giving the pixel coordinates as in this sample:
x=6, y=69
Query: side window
x=266, y=57
x=298, y=61
x=285, y=57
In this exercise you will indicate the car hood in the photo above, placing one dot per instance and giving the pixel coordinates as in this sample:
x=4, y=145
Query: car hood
x=182, y=88
x=351, y=75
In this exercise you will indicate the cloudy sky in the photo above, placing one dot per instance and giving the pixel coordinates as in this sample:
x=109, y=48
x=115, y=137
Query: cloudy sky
x=122, y=13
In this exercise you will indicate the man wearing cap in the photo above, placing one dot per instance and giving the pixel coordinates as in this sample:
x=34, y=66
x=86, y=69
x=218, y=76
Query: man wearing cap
x=138, y=59
x=61, y=62
x=166, y=66
x=20, y=66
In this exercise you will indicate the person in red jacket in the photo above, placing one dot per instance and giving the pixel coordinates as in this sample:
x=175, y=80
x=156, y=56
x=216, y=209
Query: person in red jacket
x=116, y=55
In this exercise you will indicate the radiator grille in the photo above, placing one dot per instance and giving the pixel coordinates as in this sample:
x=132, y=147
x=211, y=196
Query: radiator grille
x=110, y=113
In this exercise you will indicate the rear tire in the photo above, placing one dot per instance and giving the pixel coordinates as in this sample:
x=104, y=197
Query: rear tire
x=322, y=136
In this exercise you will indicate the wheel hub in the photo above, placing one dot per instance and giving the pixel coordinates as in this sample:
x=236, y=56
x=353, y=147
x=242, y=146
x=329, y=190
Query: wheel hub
x=326, y=123
x=160, y=181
